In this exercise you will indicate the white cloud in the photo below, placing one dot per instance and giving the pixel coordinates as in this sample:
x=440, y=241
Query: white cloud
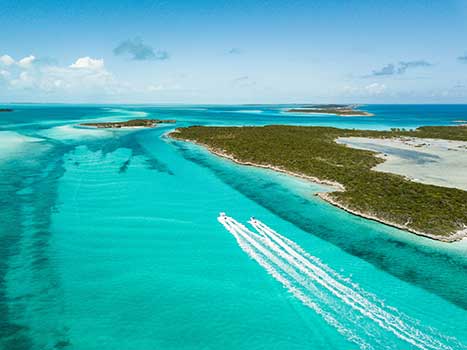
x=7, y=60
x=85, y=76
x=375, y=89
x=83, y=79
x=162, y=87
x=78, y=76
x=88, y=63
x=24, y=63
x=27, y=61
x=58, y=83
x=24, y=81
x=4, y=73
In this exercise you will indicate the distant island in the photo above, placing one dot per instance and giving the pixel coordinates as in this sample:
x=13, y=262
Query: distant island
x=134, y=123
x=3, y=110
x=340, y=110
x=312, y=152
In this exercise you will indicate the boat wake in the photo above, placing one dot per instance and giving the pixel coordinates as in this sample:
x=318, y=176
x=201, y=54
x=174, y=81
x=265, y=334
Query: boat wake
x=358, y=315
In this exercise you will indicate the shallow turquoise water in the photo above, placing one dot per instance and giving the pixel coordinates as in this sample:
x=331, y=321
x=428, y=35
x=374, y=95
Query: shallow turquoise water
x=110, y=240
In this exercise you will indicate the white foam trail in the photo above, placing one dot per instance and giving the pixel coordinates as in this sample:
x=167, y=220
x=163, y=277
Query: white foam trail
x=254, y=250
x=304, y=281
x=383, y=318
x=326, y=268
x=284, y=259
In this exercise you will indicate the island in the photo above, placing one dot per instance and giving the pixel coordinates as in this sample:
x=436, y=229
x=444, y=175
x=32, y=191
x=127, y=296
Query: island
x=4, y=110
x=134, y=123
x=339, y=110
x=312, y=152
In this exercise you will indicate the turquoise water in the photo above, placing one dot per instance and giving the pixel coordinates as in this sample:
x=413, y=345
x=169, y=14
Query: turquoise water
x=110, y=240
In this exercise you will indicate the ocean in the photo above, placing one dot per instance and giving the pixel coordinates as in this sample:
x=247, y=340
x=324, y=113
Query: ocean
x=110, y=239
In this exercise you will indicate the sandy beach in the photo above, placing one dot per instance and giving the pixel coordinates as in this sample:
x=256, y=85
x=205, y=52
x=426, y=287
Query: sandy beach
x=429, y=161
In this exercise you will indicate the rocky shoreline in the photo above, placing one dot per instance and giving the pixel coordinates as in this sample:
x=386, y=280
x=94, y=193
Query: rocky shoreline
x=457, y=236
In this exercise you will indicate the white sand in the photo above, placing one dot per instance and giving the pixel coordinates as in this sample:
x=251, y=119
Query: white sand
x=12, y=142
x=430, y=161
x=71, y=132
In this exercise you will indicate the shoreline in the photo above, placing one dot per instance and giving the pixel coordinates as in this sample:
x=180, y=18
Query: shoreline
x=132, y=123
x=454, y=237
x=344, y=113
x=92, y=127
x=336, y=114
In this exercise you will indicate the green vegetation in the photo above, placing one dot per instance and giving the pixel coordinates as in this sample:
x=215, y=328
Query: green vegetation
x=341, y=110
x=6, y=110
x=147, y=123
x=458, y=133
x=312, y=151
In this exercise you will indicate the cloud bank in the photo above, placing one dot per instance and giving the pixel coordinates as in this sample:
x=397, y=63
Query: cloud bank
x=136, y=50
x=6, y=60
x=86, y=74
x=400, y=68
x=234, y=51
x=88, y=63
x=373, y=89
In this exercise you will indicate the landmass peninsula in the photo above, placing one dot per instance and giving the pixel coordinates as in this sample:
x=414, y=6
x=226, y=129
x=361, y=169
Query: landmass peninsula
x=311, y=152
x=4, y=110
x=340, y=110
x=134, y=123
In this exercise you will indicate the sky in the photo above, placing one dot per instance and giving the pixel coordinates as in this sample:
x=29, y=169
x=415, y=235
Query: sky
x=244, y=51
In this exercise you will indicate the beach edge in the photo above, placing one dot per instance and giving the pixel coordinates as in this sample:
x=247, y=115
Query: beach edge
x=454, y=237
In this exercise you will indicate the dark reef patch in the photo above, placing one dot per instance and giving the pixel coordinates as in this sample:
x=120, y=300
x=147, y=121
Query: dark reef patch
x=124, y=167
